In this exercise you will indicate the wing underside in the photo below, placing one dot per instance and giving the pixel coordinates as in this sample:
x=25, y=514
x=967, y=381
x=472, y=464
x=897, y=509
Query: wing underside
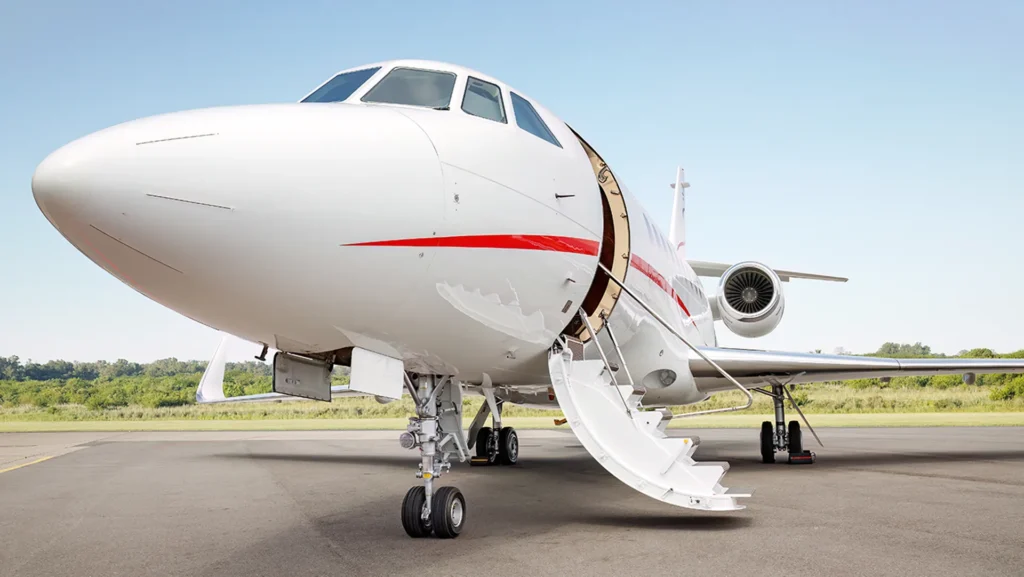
x=755, y=367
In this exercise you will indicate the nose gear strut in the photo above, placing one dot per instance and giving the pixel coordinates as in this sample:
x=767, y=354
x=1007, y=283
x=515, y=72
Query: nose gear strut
x=437, y=431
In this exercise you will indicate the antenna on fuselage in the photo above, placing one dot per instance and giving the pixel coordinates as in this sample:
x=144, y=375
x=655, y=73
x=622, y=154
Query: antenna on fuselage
x=677, y=226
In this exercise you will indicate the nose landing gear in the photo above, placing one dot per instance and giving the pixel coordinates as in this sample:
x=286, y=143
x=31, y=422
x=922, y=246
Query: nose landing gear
x=437, y=431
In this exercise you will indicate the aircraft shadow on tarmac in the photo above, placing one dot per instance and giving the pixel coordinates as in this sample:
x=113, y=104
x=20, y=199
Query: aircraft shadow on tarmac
x=366, y=546
x=560, y=465
x=369, y=460
x=538, y=495
x=545, y=493
x=826, y=460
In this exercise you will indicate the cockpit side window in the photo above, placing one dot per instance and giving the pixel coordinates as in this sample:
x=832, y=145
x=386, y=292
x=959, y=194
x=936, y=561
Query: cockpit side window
x=414, y=87
x=341, y=86
x=483, y=99
x=528, y=119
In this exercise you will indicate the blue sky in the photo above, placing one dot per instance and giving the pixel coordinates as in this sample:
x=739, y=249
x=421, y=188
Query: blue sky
x=876, y=140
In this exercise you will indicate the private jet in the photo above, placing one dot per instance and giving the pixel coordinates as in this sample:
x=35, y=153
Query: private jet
x=440, y=233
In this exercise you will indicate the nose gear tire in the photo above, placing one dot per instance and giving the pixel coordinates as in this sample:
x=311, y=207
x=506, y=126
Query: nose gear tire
x=412, y=511
x=448, y=514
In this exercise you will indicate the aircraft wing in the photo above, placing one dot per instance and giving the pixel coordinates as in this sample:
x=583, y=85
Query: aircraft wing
x=716, y=269
x=754, y=366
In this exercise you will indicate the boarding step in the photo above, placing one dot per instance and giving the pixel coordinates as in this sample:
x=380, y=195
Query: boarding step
x=632, y=444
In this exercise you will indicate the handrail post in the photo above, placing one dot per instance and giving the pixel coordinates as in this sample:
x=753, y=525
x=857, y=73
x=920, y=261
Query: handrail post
x=618, y=351
x=604, y=357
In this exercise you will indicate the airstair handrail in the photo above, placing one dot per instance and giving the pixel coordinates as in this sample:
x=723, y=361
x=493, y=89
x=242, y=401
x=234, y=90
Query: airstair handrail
x=728, y=377
x=604, y=357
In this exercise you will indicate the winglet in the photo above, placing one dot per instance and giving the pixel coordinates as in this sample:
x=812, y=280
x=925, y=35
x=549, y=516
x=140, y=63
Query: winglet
x=211, y=386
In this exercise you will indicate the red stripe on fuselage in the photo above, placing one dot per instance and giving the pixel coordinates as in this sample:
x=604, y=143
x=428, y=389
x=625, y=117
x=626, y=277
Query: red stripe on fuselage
x=506, y=241
x=531, y=242
x=649, y=271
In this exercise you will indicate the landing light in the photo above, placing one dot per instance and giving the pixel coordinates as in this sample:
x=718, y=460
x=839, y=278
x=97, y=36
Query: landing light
x=407, y=440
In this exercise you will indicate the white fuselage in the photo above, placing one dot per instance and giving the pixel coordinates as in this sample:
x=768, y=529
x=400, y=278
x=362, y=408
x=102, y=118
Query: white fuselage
x=458, y=244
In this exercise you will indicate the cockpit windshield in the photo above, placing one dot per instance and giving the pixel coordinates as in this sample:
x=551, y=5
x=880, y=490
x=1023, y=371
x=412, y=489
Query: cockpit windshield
x=414, y=87
x=341, y=86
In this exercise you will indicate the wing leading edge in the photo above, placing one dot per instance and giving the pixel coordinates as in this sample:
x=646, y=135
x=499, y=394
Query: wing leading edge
x=753, y=366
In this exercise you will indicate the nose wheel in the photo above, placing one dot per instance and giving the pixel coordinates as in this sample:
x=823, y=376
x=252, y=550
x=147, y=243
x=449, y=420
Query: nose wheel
x=449, y=512
x=445, y=518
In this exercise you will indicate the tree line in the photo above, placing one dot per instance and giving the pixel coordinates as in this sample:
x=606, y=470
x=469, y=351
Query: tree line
x=1002, y=387
x=12, y=369
x=170, y=382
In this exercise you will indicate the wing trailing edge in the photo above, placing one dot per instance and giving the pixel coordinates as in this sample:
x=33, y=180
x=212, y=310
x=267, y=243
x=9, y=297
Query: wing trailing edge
x=754, y=366
x=717, y=269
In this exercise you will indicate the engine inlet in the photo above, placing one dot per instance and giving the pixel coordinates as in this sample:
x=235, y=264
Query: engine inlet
x=749, y=291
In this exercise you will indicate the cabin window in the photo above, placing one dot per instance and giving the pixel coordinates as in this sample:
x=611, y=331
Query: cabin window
x=483, y=99
x=528, y=119
x=414, y=87
x=341, y=86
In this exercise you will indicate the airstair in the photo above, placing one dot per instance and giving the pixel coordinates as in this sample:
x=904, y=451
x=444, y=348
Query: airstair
x=630, y=441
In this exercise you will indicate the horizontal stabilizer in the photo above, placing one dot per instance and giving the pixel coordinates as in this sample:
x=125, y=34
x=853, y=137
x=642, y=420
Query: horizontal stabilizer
x=717, y=269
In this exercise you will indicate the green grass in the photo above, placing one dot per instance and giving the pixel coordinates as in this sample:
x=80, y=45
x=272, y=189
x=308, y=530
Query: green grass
x=826, y=404
x=841, y=399
x=744, y=421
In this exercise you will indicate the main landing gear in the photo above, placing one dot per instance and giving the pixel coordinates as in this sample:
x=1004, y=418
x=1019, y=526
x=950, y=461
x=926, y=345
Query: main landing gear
x=495, y=445
x=780, y=437
x=437, y=431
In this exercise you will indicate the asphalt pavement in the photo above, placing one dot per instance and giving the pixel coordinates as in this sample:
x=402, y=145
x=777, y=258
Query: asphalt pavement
x=908, y=502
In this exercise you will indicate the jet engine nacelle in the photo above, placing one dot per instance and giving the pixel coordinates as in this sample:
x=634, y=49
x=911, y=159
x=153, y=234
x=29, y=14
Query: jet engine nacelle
x=750, y=300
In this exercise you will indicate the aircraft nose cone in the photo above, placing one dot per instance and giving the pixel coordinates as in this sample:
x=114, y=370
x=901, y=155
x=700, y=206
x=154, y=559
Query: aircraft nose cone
x=52, y=183
x=73, y=185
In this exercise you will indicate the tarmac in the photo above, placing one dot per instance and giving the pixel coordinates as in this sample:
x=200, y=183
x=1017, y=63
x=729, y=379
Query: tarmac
x=908, y=502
